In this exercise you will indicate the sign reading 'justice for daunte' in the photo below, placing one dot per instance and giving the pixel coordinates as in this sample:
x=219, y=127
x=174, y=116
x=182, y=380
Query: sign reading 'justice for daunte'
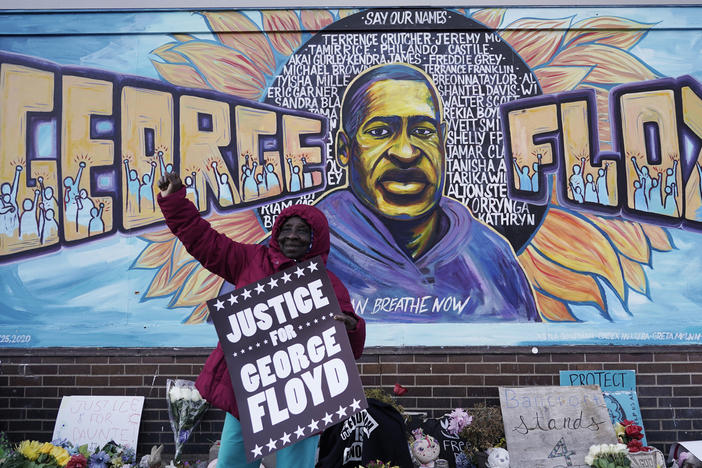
x=290, y=362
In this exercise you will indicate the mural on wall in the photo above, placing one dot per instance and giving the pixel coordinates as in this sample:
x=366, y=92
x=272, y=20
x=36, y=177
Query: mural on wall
x=492, y=176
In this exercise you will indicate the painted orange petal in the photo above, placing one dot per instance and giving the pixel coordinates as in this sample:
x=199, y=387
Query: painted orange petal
x=555, y=79
x=490, y=17
x=166, y=53
x=283, y=20
x=536, y=40
x=578, y=245
x=618, y=32
x=199, y=315
x=180, y=75
x=165, y=284
x=243, y=226
x=180, y=257
x=552, y=310
x=658, y=237
x=603, y=124
x=627, y=236
x=154, y=255
x=237, y=31
x=183, y=37
x=348, y=12
x=634, y=275
x=201, y=286
x=162, y=235
x=558, y=281
x=225, y=69
x=613, y=65
x=315, y=20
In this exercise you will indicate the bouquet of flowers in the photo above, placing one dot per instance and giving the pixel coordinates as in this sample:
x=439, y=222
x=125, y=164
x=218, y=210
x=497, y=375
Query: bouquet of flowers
x=457, y=420
x=185, y=409
x=63, y=454
x=608, y=456
x=378, y=464
x=630, y=434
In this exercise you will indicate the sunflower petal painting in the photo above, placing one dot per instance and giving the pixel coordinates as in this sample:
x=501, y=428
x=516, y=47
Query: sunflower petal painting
x=500, y=176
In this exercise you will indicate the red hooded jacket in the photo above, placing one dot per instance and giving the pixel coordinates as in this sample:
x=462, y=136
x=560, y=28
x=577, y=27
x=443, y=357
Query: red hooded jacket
x=242, y=264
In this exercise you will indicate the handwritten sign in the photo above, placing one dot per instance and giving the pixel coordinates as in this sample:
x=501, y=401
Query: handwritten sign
x=96, y=420
x=619, y=391
x=290, y=362
x=550, y=427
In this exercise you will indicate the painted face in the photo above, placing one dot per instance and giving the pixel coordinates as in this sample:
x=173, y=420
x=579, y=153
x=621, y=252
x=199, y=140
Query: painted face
x=294, y=237
x=425, y=450
x=396, y=158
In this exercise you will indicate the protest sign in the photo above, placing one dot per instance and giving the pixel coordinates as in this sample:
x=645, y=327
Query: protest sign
x=96, y=420
x=619, y=391
x=290, y=362
x=549, y=427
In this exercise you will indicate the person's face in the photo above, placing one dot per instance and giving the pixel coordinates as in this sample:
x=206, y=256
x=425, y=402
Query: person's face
x=294, y=237
x=396, y=158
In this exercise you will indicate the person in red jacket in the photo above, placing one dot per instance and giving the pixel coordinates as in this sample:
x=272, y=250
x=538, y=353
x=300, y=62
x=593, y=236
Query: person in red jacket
x=299, y=233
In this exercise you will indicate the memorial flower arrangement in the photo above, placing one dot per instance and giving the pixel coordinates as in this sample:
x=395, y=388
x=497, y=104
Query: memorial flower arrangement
x=63, y=454
x=630, y=435
x=378, y=464
x=484, y=431
x=608, y=456
x=185, y=409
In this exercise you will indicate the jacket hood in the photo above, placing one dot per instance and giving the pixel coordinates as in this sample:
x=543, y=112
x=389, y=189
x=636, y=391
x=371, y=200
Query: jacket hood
x=320, y=232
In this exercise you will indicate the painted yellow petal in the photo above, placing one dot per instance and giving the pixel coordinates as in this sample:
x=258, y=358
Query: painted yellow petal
x=200, y=287
x=154, y=255
x=556, y=79
x=634, y=275
x=578, y=245
x=183, y=37
x=552, y=310
x=199, y=315
x=613, y=65
x=657, y=237
x=348, y=12
x=162, y=235
x=180, y=257
x=603, y=123
x=316, y=20
x=627, y=237
x=166, y=53
x=535, y=40
x=180, y=74
x=618, y=32
x=237, y=31
x=225, y=69
x=490, y=17
x=559, y=282
x=286, y=21
x=243, y=226
x=165, y=283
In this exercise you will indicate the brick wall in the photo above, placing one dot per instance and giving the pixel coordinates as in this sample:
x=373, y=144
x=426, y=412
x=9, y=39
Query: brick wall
x=32, y=382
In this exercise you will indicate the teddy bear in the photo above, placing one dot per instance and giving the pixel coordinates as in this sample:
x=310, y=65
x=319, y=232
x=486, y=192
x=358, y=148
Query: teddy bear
x=425, y=449
x=497, y=458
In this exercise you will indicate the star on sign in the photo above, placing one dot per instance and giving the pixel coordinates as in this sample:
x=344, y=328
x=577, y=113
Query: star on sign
x=258, y=345
x=308, y=324
x=286, y=278
x=341, y=412
x=356, y=404
x=265, y=341
x=299, y=432
x=273, y=283
x=313, y=425
x=271, y=444
x=286, y=438
x=312, y=266
x=219, y=305
x=327, y=418
x=246, y=294
x=257, y=451
x=259, y=288
x=299, y=327
x=316, y=321
x=243, y=351
x=235, y=354
x=232, y=299
x=300, y=272
x=250, y=348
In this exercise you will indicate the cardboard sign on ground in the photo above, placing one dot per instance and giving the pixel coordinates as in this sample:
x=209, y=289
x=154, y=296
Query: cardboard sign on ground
x=619, y=391
x=290, y=362
x=550, y=427
x=96, y=420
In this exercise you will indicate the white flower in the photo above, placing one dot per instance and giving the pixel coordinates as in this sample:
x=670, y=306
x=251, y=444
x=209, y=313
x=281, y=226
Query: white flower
x=174, y=394
x=589, y=459
x=195, y=396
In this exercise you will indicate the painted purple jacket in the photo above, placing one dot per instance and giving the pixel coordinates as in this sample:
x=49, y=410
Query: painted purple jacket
x=242, y=264
x=470, y=275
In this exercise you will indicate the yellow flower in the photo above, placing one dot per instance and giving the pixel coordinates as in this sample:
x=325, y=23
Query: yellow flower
x=46, y=447
x=61, y=455
x=619, y=429
x=29, y=449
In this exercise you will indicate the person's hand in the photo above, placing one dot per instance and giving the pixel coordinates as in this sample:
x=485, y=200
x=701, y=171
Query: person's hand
x=169, y=183
x=348, y=320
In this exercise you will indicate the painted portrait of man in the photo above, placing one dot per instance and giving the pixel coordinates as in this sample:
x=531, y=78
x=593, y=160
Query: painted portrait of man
x=404, y=249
